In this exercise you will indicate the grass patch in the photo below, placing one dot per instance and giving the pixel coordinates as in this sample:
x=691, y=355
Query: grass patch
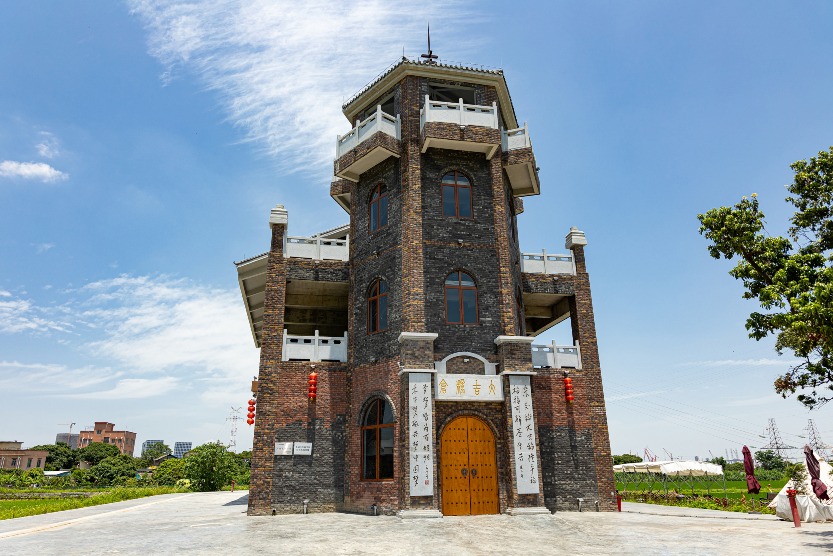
x=703, y=502
x=734, y=489
x=10, y=509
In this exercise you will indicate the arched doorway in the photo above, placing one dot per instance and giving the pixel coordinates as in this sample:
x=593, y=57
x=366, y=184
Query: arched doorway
x=469, y=468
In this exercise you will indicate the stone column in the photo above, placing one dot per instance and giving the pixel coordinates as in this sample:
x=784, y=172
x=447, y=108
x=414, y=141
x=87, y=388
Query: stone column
x=417, y=357
x=271, y=348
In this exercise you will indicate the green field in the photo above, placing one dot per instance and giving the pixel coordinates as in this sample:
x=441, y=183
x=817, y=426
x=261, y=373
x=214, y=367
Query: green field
x=734, y=489
x=11, y=508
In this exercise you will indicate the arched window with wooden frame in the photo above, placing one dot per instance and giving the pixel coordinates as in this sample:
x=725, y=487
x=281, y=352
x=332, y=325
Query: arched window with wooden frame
x=378, y=207
x=460, y=299
x=456, y=190
x=377, y=441
x=377, y=306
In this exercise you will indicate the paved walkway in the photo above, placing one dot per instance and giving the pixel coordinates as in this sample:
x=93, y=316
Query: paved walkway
x=215, y=523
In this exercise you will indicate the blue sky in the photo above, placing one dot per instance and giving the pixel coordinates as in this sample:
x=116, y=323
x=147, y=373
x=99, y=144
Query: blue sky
x=142, y=145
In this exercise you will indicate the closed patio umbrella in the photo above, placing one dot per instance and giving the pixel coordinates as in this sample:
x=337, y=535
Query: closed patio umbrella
x=752, y=484
x=819, y=488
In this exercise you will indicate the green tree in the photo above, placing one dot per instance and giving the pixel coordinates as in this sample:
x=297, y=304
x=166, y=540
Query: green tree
x=769, y=460
x=626, y=458
x=154, y=451
x=719, y=460
x=97, y=452
x=169, y=472
x=791, y=278
x=113, y=469
x=210, y=466
x=60, y=456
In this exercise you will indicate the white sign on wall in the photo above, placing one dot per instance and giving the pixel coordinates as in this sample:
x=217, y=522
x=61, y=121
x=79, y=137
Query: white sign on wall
x=523, y=435
x=302, y=449
x=283, y=448
x=420, y=434
x=478, y=388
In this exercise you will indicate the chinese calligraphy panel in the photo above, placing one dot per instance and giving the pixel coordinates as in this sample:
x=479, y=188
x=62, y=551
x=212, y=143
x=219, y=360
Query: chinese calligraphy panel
x=482, y=388
x=420, y=434
x=523, y=435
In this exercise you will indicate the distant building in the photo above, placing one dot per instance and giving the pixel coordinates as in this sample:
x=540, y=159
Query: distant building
x=70, y=440
x=103, y=432
x=148, y=443
x=180, y=448
x=13, y=456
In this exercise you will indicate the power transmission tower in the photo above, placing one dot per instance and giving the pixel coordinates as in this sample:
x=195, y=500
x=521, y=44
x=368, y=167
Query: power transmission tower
x=775, y=443
x=234, y=416
x=815, y=440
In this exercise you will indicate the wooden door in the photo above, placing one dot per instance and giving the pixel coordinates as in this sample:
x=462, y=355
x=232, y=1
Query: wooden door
x=469, y=471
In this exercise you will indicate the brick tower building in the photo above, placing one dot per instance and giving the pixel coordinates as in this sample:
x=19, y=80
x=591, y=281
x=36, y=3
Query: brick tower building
x=419, y=319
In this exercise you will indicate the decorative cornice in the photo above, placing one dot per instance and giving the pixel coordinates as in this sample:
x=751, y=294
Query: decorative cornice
x=500, y=340
x=424, y=336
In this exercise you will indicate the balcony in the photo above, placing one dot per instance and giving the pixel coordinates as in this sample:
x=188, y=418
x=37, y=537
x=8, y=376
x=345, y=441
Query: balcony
x=544, y=263
x=372, y=141
x=519, y=162
x=459, y=126
x=317, y=248
x=314, y=348
x=556, y=357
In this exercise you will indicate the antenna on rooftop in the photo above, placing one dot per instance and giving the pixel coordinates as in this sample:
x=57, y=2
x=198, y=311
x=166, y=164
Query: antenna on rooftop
x=430, y=58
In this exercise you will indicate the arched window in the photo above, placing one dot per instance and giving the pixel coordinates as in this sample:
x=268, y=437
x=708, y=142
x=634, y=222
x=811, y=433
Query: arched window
x=377, y=441
x=460, y=299
x=377, y=306
x=378, y=208
x=456, y=195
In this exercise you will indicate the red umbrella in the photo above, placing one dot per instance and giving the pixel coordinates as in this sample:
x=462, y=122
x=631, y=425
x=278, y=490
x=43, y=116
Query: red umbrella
x=819, y=488
x=752, y=484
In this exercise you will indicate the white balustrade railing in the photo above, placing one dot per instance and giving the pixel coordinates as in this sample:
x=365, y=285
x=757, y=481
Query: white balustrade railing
x=458, y=113
x=545, y=263
x=512, y=139
x=314, y=348
x=556, y=357
x=317, y=248
x=379, y=121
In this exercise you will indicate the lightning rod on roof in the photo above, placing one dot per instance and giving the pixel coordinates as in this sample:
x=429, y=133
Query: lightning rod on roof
x=430, y=58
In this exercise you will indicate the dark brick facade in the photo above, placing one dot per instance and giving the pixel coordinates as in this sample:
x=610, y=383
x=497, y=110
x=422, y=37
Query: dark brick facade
x=413, y=254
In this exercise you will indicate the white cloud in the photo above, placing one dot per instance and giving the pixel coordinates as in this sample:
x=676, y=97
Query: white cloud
x=133, y=388
x=50, y=377
x=283, y=68
x=4, y=293
x=762, y=362
x=21, y=315
x=49, y=146
x=31, y=171
x=43, y=247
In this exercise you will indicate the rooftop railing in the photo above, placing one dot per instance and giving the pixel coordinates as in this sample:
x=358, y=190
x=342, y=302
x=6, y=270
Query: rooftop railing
x=512, y=139
x=379, y=121
x=556, y=357
x=314, y=348
x=458, y=113
x=317, y=248
x=545, y=263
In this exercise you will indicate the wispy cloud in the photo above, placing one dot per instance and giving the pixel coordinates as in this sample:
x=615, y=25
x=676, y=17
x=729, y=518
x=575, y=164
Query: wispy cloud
x=49, y=145
x=133, y=388
x=282, y=68
x=633, y=395
x=51, y=378
x=22, y=315
x=43, y=247
x=39, y=171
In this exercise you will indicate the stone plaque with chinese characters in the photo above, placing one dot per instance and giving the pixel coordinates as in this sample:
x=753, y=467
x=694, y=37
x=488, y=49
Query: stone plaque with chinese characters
x=420, y=434
x=523, y=435
x=477, y=388
x=283, y=448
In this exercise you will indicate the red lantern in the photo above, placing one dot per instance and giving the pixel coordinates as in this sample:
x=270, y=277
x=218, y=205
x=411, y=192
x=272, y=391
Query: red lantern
x=250, y=421
x=250, y=415
x=251, y=402
x=313, y=385
x=568, y=389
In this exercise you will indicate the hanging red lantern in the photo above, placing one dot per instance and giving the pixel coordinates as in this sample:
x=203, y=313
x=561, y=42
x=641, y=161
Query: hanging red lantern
x=568, y=389
x=251, y=402
x=250, y=415
x=250, y=421
x=313, y=385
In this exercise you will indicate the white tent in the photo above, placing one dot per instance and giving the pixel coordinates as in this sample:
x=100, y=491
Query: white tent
x=810, y=508
x=672, y=468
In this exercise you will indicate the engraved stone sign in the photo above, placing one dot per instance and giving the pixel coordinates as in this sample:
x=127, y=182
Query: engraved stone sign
x=302, y=449
x=420, y=434
x=478, y=388
x=283, y=448
x=523, y=435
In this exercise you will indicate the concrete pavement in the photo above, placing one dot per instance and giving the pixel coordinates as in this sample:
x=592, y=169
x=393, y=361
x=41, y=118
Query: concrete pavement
x=215, y=523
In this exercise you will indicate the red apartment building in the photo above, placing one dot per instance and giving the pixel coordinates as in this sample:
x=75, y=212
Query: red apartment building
x=103, y=432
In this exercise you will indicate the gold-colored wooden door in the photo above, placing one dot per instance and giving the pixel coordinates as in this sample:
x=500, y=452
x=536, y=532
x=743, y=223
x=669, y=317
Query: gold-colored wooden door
x=469, y=471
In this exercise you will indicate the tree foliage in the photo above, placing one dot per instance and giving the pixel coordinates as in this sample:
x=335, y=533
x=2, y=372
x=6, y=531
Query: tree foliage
x=169, y=472
x=60, y=456
x=626, y=458
x=719, y=460
x=154, y=451
x=97, y=452
x=769, y=460
x=113, y=470
x=210, y=466
x=791, y=277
